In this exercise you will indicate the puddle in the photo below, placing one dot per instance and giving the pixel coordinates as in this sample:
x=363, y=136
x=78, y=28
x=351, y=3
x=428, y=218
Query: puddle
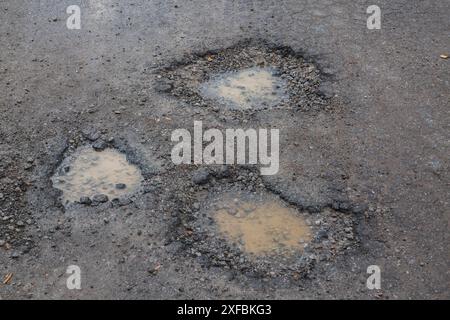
x=250, y=88
x=89, y=173
x=263, y=228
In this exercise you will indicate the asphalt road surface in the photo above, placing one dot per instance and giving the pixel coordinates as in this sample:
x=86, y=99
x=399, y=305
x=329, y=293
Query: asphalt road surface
x=377, y=153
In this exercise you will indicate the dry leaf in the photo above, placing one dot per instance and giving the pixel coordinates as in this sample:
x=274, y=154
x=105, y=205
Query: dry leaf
x=7, y=278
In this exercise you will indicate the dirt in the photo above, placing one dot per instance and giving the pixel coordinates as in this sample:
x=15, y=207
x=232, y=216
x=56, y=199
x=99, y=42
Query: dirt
x=364, y=153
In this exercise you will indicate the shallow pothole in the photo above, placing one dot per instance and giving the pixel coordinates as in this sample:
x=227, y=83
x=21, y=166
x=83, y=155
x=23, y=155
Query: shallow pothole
x=259, y=233
x=262, y=228
x=247, y=76
x=250, y=88
x=90, y=175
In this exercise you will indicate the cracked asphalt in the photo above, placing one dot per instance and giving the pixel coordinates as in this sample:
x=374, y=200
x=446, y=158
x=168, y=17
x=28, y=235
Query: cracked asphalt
x=383, y=145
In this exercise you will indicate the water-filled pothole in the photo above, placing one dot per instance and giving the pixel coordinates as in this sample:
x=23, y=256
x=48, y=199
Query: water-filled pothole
x=259, y=233
x=263, y=228
x=244, y=77
x=96, y=175
x=250, y=88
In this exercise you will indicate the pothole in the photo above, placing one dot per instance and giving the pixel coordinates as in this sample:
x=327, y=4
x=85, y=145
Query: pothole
x=244, y=77
x=263, y=228
x=258, y=233
x=250, y=88
x=98, y=176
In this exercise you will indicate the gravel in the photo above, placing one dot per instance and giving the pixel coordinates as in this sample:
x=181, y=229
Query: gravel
x=85, y=200
x=100, y=198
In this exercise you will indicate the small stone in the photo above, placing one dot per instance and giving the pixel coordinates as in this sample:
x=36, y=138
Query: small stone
x=15, y=255
x=99, y=145
x=85, y=200
x=91, y=134
x=344, y=206
x=1, y=196
x=322, y=234
x=100, y=198
x=155, y=269
x=121, y=186
x=2, y=243
x=124, y=202
x=200, y=176
x=163, y=86
x=20, y=224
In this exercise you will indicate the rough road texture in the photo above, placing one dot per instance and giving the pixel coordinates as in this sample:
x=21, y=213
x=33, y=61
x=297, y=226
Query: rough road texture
x=385, y=146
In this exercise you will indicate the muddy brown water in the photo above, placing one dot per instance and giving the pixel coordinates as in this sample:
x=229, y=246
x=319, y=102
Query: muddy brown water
x=263, y=228
x=249, y=88
x=91, y=172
